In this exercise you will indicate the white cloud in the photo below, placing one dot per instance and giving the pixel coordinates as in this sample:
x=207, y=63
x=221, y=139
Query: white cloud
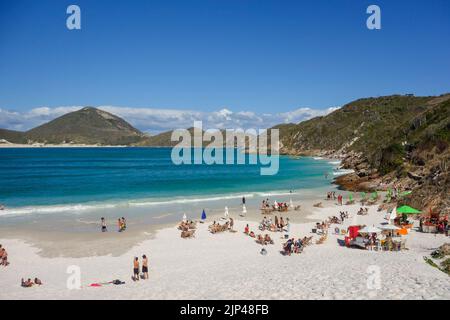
x=157, y=120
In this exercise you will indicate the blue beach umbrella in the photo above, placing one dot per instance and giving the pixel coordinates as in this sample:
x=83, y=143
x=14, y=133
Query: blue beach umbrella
x=203, y=215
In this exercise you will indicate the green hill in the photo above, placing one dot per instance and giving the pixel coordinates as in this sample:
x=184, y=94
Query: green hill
x=12, y=136
x=85, y=126
x=393, y=138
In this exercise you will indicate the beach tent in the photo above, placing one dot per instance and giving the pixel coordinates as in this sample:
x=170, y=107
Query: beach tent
x=226, y=214
x=368, y=229
x=203, y=215
x=408, y=210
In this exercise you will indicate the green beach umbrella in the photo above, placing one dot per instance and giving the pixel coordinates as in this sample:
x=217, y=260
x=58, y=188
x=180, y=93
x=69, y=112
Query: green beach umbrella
x=408, y=210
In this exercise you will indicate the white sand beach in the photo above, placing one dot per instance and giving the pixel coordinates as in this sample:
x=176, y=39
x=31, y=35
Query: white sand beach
x=230, y=266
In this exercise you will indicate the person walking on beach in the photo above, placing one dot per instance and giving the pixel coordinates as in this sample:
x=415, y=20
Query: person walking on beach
x=243, y=201
x=104, y=229
x=145, y=266
x=135, y=269
x=124, y=224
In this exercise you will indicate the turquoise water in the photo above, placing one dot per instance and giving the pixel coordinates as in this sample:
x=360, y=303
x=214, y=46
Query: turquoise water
x=67, y=177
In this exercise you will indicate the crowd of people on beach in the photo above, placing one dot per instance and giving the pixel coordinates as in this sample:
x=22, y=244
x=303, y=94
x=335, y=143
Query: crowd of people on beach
x=216, y=227
x=332, y=196
x=3, y=257
x=293, y=246
x=277, y=206
x=278, y=225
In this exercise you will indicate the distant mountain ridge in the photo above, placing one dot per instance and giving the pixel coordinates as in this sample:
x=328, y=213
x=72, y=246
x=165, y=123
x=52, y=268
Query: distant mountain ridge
x=86, y=126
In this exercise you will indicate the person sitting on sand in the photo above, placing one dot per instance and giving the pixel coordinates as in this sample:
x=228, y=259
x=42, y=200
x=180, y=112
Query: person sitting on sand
x=288, y=247
x=135, y=269
x=267, y=239
x=38, y=281
x=145, y=266
x=260, y=239
x=252, y=234
x=246, y=229
x=27, y=284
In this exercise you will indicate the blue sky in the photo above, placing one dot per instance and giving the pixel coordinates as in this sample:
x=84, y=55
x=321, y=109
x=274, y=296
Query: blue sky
x=256, y=56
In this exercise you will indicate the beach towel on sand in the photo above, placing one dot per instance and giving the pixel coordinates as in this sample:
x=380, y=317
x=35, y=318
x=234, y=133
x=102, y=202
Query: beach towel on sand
x=95, y=285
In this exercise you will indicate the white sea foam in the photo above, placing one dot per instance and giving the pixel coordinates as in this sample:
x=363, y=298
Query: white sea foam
x=77, y=208
x=337, y=162
x=341, y=172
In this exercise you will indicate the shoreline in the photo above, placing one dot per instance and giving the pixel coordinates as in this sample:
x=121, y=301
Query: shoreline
x=229, y=266
x=49, y=242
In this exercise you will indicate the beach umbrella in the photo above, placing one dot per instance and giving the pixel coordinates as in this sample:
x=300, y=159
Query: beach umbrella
x=275, y=204
x=408, y=210
x=203, y=215
x=226, y=214
x=184, y=217
x=369, y=230
x=244, y=209
x=392, y=215
x=350, y=197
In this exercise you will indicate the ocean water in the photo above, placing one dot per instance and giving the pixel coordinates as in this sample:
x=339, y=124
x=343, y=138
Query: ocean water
x=74, y=179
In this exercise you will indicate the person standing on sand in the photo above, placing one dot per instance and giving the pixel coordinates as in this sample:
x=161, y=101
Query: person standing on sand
x=243, y=200
x=136, y=269
x=145, y=266
x=231, y=223
x=104, y=229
